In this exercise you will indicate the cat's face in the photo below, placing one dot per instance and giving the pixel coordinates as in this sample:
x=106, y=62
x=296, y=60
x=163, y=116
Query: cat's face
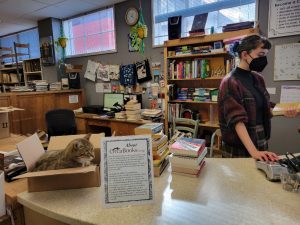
x=81, y=150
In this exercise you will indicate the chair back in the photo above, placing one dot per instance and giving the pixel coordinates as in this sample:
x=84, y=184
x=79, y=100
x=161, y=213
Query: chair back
x=60, y=122
x=187, y=125
x=217, y=134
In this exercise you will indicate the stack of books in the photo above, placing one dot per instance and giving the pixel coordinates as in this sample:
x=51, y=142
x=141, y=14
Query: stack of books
x=55, y=86
x=188, y=156
x=133, y=110
x=160, y=149
x=120, y=115
x=280, y=108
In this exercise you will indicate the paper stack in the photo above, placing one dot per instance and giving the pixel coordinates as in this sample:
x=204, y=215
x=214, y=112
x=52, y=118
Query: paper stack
x=133, y=110
x=160, y=149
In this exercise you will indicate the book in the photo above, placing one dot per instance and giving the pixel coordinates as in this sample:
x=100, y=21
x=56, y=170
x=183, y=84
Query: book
x=188, y=170
x=188, y=146
x=149, y=128
x=158, y=170
x=160, y=152
x=188, y=162
x=157, y=162
x=280, y=108
x=188, y=174
x=159, y=142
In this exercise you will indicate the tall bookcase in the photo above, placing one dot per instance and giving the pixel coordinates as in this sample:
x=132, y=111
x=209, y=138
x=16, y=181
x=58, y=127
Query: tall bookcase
x=215, y=64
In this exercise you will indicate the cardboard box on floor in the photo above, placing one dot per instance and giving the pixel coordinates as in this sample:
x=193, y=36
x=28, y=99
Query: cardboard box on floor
x=61, y=142
x=4, y=120
x=72, y=178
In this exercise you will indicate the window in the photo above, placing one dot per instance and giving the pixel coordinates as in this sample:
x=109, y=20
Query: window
x=30, y=37
x=92, y=33
x=220, y=13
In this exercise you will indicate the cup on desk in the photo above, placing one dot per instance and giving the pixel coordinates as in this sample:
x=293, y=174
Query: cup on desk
x=290, y=181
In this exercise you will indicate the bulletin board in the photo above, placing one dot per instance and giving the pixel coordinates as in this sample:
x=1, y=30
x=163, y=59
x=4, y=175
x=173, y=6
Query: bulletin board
x=284, y=18
x=287, y=62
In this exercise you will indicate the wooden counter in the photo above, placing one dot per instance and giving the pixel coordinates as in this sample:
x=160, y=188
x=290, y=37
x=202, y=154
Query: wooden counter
x=228, y=191
x=35, y=105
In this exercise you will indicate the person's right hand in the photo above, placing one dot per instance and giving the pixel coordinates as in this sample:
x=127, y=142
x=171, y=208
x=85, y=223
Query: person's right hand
x=264, y=156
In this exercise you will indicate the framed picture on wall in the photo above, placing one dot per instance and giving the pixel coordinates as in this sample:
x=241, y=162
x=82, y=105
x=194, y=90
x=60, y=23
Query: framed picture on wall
x=47, y=51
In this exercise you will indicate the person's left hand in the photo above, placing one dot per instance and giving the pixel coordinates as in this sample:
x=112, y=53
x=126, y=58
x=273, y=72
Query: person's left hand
x=291, y=112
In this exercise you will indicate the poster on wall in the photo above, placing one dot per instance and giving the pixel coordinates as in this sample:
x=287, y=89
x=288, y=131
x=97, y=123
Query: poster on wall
x=286, y=62
x=284, y=18
x=47, y=51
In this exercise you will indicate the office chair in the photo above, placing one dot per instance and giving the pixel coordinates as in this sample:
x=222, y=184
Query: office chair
x=60, y=122
x=186, y=125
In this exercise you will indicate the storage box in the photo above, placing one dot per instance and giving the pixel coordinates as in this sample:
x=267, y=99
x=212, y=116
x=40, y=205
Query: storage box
x=71, y=178
x=4, y=120
x=61, y=142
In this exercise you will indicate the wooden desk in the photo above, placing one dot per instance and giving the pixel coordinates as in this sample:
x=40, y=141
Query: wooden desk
x=86, y=121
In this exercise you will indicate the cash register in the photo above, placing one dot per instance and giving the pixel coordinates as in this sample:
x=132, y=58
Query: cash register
x=288, y=163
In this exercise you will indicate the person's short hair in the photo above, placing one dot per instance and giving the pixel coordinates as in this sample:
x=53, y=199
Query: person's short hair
x=250, y=43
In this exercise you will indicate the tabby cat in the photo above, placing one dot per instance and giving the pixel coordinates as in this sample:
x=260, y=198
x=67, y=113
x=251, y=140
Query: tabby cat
x=78, y=153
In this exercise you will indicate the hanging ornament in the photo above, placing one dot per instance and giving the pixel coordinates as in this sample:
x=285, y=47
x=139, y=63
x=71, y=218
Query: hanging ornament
x=139, y=32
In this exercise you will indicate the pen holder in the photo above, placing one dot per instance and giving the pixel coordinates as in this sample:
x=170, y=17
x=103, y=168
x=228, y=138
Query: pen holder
x=290, y=181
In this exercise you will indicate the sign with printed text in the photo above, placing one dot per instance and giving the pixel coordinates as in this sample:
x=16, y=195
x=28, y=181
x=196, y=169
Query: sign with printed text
x=126, y=170
x=284, y=18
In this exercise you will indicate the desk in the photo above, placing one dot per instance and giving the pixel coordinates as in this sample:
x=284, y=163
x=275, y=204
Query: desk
x=85, y=122
x=228, y=191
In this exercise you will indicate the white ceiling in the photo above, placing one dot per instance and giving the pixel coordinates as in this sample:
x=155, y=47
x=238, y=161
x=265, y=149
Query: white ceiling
x=17, y=15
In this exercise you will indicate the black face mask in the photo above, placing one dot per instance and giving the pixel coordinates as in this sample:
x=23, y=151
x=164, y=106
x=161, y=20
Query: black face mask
x=258, y=64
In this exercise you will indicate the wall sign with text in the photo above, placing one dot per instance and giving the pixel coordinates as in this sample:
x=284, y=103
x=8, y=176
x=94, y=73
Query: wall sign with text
x=284, y=18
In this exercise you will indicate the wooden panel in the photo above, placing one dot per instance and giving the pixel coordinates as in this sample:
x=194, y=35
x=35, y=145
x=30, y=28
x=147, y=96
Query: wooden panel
x=62, y=100
x=81, y=126
x=33, y=114
x=35, y=218
x=35, y=105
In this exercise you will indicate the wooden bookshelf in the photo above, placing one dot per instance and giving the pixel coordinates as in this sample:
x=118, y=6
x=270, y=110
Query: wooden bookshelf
x=206, y=109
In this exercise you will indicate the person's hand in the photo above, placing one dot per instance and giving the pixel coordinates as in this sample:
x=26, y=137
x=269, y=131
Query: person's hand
x=291, y=112
x=264, y=156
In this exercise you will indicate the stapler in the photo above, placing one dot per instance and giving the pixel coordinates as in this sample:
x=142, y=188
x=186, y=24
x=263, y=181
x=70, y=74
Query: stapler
x=271, y=169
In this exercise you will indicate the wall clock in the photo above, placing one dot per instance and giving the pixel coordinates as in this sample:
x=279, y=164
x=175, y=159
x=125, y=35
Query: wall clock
x=132, y=16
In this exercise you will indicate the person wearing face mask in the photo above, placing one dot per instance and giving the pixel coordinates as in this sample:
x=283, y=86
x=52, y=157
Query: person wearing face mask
x=244, y=106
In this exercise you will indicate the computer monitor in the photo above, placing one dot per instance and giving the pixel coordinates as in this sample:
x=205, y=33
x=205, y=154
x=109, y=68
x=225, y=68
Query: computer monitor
x=111, y=98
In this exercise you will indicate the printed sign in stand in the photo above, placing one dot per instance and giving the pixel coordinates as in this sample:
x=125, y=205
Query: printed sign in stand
x=126, y=170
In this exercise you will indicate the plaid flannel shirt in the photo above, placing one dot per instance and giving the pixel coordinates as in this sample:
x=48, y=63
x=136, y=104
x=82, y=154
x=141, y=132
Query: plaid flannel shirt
x=237, y=104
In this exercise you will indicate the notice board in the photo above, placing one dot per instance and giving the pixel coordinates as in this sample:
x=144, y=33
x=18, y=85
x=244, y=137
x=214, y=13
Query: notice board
x=284, y=18
x=287, y=62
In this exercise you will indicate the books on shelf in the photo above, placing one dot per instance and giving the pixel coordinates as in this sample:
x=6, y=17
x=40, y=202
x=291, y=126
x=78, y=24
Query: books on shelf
x=280, y=108
x=188, y=146
x=149, y=128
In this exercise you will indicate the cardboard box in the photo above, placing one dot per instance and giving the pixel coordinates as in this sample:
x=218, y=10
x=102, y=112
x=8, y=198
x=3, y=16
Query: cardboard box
x=4, y=120
x=71, y=178
x=61, y=142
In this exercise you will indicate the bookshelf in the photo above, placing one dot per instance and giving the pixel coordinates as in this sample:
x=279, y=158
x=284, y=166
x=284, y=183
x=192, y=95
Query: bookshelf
x=32, y=69
x=191, y=66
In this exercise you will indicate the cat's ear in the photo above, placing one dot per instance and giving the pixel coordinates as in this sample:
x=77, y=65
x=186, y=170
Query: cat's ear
x=87, y=137
x=76, y=145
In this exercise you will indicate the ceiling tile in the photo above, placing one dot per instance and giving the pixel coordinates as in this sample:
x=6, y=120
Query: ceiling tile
x=23, y=7
x=50, y=2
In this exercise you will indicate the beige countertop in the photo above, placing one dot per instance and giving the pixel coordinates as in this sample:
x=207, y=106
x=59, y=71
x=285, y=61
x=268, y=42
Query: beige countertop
x=228, y=191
